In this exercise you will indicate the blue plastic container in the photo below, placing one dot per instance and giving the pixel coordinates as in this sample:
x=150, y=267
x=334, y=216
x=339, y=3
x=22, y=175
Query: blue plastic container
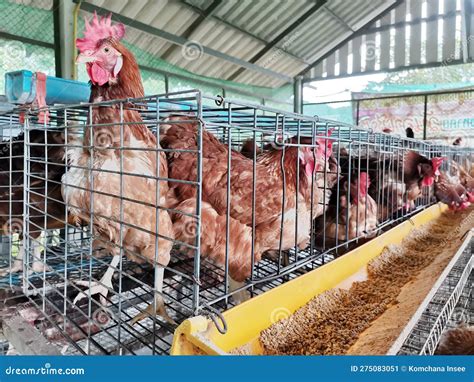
x=20, y=89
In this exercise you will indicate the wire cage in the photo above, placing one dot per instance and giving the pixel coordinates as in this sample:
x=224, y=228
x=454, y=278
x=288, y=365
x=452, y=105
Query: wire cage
x=450, y=307
x=140, y=213
x=11, y=199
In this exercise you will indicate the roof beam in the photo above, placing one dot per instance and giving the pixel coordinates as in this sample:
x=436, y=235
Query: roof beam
x=208, y=82
x=338, y=19
x=281, y=36
x=358, y=32
x=413, y=22
x=388, y=70
x=26, y=40
x=178, y=40
x=195, y=25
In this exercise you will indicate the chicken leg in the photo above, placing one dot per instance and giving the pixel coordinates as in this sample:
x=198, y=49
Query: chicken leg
x=38, y=266
x=17, y=265
x=156, y=308
x=102, y=286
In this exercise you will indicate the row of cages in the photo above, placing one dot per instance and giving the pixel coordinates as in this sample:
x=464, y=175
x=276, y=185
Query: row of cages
x=122, y=219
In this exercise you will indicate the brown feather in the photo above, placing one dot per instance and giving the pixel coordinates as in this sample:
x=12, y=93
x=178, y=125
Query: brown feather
x=270, y=187
x=458, y=341
x=448, y=192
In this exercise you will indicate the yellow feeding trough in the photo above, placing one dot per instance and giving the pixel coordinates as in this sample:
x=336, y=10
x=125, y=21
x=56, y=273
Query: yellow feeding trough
x=199, y=335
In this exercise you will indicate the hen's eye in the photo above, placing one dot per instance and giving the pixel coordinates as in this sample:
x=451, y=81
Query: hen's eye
x=106, y=50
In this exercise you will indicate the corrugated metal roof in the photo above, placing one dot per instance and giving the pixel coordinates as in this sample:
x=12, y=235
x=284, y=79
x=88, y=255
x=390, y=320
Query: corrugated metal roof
x=416, y=42
x=269, y=42
x=243, y=28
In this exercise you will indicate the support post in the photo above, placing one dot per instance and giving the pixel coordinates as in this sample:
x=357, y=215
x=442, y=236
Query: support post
x=298, y=95
x=425, y=118
x=167, y=84
x=63, y=38
x=357, y=112
x=466, y=36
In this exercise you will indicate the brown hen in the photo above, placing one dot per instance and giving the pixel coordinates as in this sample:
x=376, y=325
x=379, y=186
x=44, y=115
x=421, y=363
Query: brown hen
x=356, y=217
x=124, y=208
x=281, y=192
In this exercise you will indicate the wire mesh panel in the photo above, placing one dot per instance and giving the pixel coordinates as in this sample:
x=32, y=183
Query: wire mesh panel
x=11, y=198
x=450, y=307
x=103, y=271
x=139, y=213
x=27, y=37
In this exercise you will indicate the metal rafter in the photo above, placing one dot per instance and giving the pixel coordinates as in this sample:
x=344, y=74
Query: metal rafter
x=338, y=19
x=195, y=25
x=206, y=82
x=359, y=32
x=178, y=40
x=388, y=70
x=414, y=22
x=26, y=40
x=281, y=36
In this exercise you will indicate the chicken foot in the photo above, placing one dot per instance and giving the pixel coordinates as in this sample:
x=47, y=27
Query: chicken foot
x=38, y=265
x=17, y=266
x=156, y=308
x=102, y=286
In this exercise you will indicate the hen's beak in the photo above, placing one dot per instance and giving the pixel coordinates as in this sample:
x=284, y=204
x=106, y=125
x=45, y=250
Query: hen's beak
x=82, y=59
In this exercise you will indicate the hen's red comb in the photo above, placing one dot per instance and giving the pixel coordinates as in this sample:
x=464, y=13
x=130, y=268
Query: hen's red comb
x=364, y=179
x=364, y=183
x=325, y=142
x=98, y=30
x=436, y=162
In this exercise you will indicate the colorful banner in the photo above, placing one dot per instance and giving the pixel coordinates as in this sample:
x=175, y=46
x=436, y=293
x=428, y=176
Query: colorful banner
x=449, y=116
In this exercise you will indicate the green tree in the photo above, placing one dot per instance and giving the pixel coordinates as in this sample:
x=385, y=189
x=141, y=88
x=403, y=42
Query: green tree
x=446, y=74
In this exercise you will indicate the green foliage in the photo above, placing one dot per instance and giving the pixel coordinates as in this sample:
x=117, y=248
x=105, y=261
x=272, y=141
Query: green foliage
x=446, y=76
